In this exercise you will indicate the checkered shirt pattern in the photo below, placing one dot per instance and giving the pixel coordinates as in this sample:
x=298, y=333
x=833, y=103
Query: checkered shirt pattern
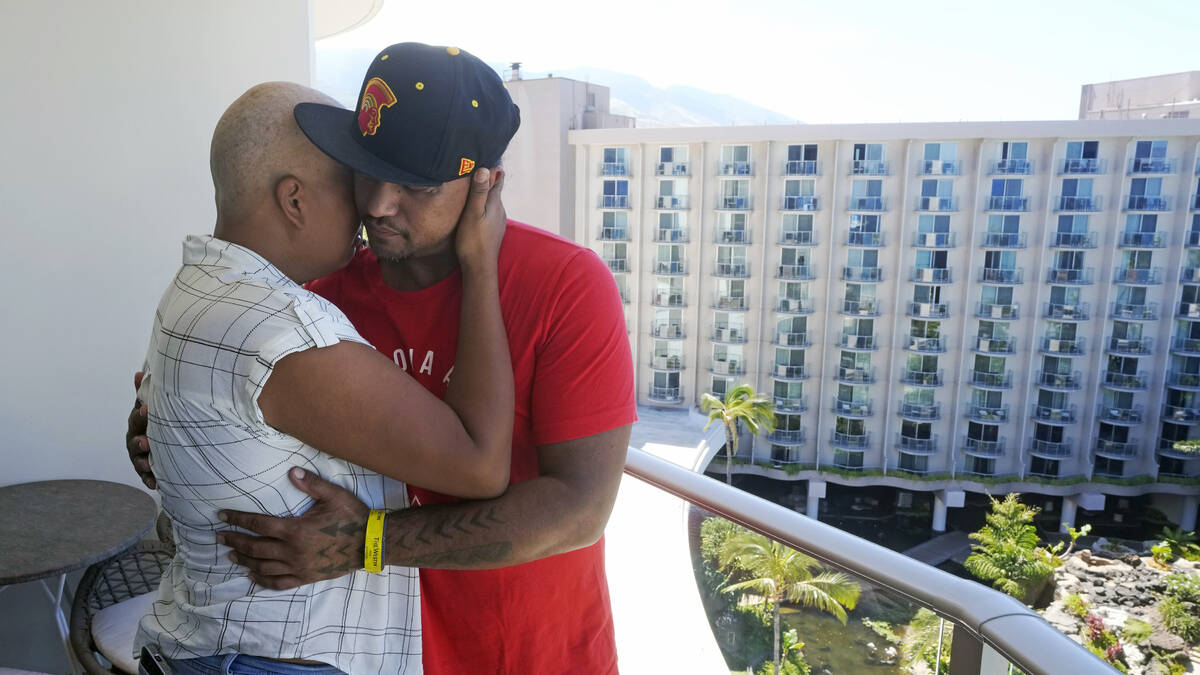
x=227, y=317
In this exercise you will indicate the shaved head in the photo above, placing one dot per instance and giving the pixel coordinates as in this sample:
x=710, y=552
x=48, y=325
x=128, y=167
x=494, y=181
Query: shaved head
x=257, y=142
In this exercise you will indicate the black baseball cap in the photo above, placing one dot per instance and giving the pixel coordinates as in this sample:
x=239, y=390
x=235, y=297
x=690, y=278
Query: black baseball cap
x=426, y=115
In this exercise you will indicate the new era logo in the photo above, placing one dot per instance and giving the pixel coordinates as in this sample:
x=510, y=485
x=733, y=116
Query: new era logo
x=465, y=166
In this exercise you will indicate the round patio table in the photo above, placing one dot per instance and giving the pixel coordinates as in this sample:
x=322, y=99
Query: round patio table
x=51, y=528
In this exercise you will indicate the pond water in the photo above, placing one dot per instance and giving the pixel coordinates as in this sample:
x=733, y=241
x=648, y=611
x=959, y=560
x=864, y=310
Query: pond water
x=842, y=649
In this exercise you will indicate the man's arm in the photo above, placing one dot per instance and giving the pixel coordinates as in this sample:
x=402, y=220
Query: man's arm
x=564, y=508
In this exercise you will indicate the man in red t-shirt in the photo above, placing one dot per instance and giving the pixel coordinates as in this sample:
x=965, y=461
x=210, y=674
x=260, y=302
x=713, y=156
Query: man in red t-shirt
x=514, y=584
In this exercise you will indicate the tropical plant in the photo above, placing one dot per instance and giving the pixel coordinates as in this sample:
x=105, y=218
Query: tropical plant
x=1161, y=553
x=777, y=572
x=1183, y=587
x=1075, y=605
x=741, y=405
x=1191, y=447
x=1178, y=620
x=1183, y=544
x=1075, y=534
x=1007, y=553
x=1135, y=631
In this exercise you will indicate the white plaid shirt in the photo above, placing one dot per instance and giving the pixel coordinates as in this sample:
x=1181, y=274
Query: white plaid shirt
x=227, y=317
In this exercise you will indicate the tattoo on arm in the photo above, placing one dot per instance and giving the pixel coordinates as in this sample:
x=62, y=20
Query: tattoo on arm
x=430, y=537
x=342, y=556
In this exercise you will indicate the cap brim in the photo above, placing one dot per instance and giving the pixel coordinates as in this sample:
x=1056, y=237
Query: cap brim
x=333, y=130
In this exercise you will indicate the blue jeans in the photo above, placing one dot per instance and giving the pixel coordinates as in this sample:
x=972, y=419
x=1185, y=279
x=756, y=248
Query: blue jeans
x=241, y=664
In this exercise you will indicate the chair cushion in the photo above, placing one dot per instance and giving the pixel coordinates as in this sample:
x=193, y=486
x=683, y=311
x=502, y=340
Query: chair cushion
x=115, y=626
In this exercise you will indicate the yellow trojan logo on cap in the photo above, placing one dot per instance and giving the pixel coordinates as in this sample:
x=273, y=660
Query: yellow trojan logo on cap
x=465, y=165
x=376, y=96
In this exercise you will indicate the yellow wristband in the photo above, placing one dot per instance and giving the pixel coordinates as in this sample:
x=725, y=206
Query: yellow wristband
x=373, y=549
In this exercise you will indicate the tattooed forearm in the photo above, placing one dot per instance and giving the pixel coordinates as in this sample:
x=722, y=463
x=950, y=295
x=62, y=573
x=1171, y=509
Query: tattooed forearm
x=473, y=556
x=447, y=537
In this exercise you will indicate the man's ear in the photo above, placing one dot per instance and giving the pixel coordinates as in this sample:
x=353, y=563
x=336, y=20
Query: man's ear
x=289, y=197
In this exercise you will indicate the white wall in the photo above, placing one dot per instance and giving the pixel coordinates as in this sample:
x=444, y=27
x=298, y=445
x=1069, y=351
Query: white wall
x=104, y=132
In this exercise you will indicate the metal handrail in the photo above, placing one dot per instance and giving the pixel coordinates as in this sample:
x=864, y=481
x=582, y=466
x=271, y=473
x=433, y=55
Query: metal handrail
x=983, y=615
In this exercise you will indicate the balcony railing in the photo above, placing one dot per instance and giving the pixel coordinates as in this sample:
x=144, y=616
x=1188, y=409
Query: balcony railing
x=670, y=267
x=737, y=168
x=1142, y=240
x=930, y=275
x=1141, y=346
x=1061, y=275
x=1053, y=415
x=1189, y=346
x=939, y=167
x=676, y=202
x=866, y=204
x=1195, y=201
x=671, y=235
x=1074, y=240
x=669, y=363
x=925, y=345
x=850, y=441
x=787, y=436
x=665, y=394
x=996, y=275
x=860, y=273
x=800, y=203
x=786, y=404
x=789, y=372
x=617, y=264
x=1003, y=240
x=728, y=335
x=934, y=240
x=1181, y=414
x=1147, y=202
x=982, y=448
x=1134, y=312
x=869, y=167
x=1076, y=203
x=855, y=375
x=872, y=239
x=672, y=169
x=1117, y=449
x=919, y=411
x=1151, y=165
x=859, y=342
x=1007, y=203
x=669, y=331
x=1188, y=310
x=987, y=414
x=929, y=310
x=797, y=272
x=988, y=345
x=732, y=270
x=727, y=367
x=937, y=204
x=986, y=380
x=1088, y=166
x=668, y=300
x=860, y=307
x=614, y=169
x=1051, y=449
x=1130, y=415
x=923, y=378
x=801, y=167
x=1011, y=167
x=798, y=339
x=614, y=201
x=730, y=302
x=916, y=446
x=795, y=306
x=731, y=237
x=1191, y=239
x=798, y=238
x=1081, y=311
x=1063, y=346
x=1129, y=381
x=1183, y=380
x=1066, y=381
x=614, y=234
x=855, y=409
x=733, y=203
x=992, y=310
x=1189, y=275
x=1146, y=277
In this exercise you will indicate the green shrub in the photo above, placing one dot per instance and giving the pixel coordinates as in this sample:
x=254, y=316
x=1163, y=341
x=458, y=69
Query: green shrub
x=1136, y=631
x=1161, y=553
x=1178, y=620
x=1075, y=605
x=1184, y=587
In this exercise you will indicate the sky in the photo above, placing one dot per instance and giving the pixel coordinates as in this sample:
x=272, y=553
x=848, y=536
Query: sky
x=836, y=61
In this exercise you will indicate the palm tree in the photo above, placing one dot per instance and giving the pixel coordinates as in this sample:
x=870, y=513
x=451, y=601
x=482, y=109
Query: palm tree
x=777, y=572
x=743, y=404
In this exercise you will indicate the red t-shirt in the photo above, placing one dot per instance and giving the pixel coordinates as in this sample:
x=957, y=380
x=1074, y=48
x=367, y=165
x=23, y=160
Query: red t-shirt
x=573, y=376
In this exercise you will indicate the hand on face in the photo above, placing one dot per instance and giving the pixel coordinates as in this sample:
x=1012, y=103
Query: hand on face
x=481, y=226
x=405, y=221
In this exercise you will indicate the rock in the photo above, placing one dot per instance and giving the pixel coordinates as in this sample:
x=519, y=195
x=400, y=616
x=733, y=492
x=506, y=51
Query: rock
x=890, y=656
x=1164, y=640
x=1133, y=561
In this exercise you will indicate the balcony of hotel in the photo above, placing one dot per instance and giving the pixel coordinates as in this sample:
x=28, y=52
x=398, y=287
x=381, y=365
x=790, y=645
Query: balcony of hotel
x=917, y=446
x=862, y=343
x=998, y=311
x=671, y=235
x=726, y=367
x=1078, y=203
x=866, y=204
x=671, y=364
x=860, y=308
x=1072, y=381
x=1010, y=167
x=846, y=375
x=800, y=203
x=732, y=270
x=1002, y=276
x=614, y=201
x=1051, y=449
x=800, y=340
x=1146, y=203
x=923, y=378
x=789, y=372
x=795, y=404
x=936, y=204
x=925, y=345
x=665, y=394
x=614, y=234
x=737, y=168
x=1166, y=448
x=1186, y=346
x=870, y=167
x=934, y=240
x=1063, y=347
x=981, y=448
x=1191, y=239
x=791, y=437
x=1057, y=311
x=1128, y=416
x=668, y=330
x=671, y=202
x=1127, y=311
x=1188, y=310
x=796, y=272
x=668, y=300
x=852, y=409
x=864, y=239
x=1082, y=166
x=1183, y=380
x=929, y=310
x=672, y=169
x=1117, y=449
x=919, y=412
x=615, y=169
x=1142, y=346
x=1067, y=275
x=853, y=442
x=728, y=335
x=795, y=306
x=801, y=167
x=1141, y=165
x=930, y=275
x=1016, y=203
x=1139, y=381
x=617, y=264
x=987, y=414
x=1003, y=240
x=669, y=268
x=733, y=303
x=797, y=238
x=1189, y=274
x=1142, y=240
x=1138, y=277
x=985, y=380
x=991, y=345
x=861, y=273
x=1181, y=414
x=1195, y=202
x=726, y=203
x=939, y=167
x=1074, y=240
x=731, y=236
x=1052, y=415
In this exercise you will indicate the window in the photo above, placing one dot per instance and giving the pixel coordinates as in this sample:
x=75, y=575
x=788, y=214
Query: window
x=1150, y=150
x=735, y=153
x=1040, y=466
x=930, y=224
x=671, y=153
x=615, y=155
x=1007, y=187
x=799, y=188
x=946, y=152
x=1014, y=150
x=868, y=151
x=1106, y=466
x=1077, y=187
x=1083, y=149
x=802, y=153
